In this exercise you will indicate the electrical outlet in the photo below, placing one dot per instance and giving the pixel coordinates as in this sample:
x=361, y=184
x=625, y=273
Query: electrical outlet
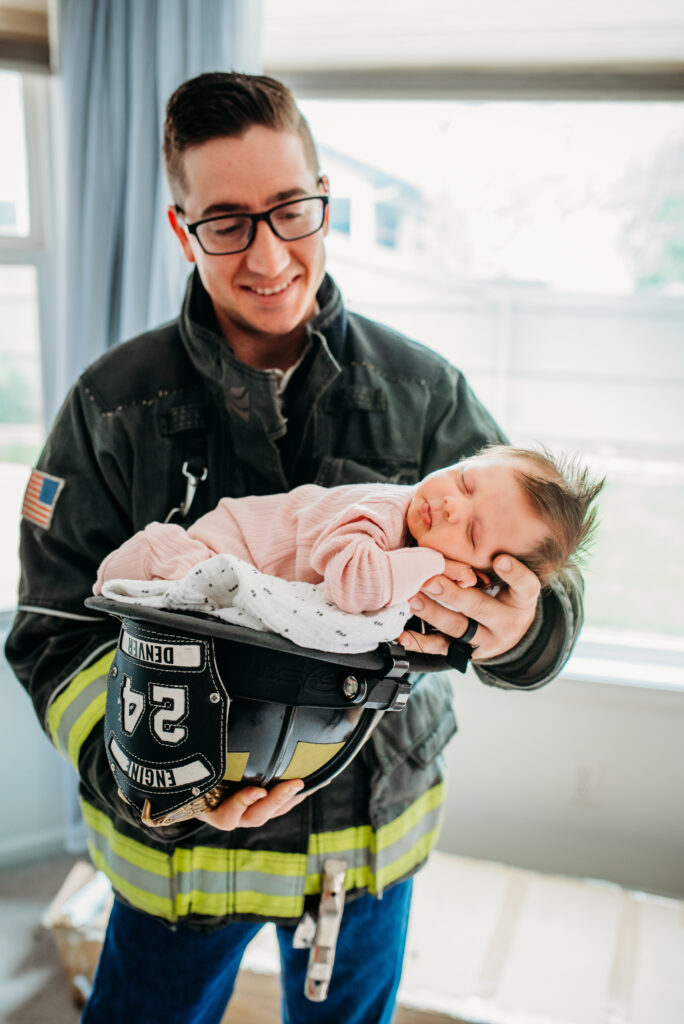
x=586, y=785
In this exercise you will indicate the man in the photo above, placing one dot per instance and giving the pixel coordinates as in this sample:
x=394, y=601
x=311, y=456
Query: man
x=265, y=382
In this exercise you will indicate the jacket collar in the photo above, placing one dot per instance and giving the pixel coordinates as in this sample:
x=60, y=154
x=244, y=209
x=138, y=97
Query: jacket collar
x=213, y=357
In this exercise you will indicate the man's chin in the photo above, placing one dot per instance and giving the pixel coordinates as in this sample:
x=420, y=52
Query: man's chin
x=276, y=323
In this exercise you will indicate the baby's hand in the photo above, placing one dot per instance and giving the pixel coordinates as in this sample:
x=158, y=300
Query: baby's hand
x=461, y=573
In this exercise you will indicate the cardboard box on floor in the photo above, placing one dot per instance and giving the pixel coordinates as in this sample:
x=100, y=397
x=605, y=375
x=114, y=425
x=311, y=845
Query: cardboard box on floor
x=77, y=917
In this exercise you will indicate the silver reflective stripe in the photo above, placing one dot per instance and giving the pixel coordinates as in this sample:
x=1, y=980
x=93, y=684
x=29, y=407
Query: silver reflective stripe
x=78, y=707
x=390, y=854
x=147, y=877
x=109, y=645
x=356, y=857
x=155, y=881
x=218, y=882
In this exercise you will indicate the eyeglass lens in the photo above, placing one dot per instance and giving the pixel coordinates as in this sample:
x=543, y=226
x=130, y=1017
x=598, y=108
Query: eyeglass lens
x=290, y=221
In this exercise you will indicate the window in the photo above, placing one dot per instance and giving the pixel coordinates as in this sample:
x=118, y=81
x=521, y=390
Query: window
x=340, y=216
x=387, y=220
x=21, y=413
x=542, y=251
x=14, y=204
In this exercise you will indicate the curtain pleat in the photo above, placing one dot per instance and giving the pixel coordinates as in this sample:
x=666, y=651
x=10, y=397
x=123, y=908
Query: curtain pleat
x=120, y=270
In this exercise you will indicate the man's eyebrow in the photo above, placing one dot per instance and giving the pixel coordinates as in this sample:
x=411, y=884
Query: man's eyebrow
x=272, y=200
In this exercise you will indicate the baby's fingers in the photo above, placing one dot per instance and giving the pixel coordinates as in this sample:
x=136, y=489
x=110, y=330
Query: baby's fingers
x=461, y=573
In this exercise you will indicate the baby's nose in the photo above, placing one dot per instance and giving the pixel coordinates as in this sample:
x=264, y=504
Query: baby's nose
x=451, y=508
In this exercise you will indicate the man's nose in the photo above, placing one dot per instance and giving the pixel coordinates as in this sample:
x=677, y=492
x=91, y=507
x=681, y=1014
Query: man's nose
x=267, y=255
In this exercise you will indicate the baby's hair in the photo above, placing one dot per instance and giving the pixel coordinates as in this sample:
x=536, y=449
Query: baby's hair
x=562, y=492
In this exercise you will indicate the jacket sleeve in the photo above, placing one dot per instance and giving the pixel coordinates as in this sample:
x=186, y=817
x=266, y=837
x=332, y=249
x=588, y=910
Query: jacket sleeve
x=460, y=427
x=359, y=569
x=60, y=651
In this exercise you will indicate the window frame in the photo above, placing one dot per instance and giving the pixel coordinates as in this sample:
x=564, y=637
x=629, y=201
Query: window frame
x=35, y=249
x=27, y=249
x=655, y=662
x=647, y=662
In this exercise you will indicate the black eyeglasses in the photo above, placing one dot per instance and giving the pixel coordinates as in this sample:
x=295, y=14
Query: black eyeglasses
x=234, y=232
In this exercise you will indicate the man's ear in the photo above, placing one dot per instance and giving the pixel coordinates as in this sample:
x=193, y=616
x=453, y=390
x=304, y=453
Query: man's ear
x=181, y=234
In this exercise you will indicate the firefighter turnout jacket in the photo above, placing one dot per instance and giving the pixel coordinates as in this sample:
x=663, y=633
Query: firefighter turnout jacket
x=365, y=404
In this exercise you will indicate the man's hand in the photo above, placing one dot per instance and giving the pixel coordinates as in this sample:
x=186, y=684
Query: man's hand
x=252, y=807
x=502, y=620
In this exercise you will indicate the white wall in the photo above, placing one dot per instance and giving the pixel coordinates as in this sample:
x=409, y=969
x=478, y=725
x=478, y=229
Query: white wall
x=579, y=778
x=32, y=797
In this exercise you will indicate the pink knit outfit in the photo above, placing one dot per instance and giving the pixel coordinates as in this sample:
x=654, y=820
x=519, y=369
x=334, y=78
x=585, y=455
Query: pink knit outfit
x=351, y=538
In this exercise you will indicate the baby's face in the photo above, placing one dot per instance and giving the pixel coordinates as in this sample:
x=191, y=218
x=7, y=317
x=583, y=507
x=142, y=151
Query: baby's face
x=474, y=511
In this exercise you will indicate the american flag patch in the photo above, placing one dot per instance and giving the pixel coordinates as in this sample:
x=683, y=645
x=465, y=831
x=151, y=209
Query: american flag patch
x=40, y=499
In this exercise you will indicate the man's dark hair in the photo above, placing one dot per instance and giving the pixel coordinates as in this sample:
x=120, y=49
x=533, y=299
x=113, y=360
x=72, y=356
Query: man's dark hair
x=220, y=104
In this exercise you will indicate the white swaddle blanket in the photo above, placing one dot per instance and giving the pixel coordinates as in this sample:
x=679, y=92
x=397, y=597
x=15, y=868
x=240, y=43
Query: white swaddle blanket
x=235, y=591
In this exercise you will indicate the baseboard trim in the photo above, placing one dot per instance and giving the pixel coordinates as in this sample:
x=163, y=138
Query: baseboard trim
x=32, y=846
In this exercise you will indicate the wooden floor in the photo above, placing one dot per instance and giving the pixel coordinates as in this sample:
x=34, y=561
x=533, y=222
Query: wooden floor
x=497, y=945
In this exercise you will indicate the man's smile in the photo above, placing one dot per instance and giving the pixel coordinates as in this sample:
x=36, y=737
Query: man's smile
x=276, y=289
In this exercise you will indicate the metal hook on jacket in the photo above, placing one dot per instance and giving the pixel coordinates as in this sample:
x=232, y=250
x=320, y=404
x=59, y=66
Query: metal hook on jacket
x=194, y=479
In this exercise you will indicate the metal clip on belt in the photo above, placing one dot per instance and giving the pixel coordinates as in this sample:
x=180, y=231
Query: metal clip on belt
x=321, y=936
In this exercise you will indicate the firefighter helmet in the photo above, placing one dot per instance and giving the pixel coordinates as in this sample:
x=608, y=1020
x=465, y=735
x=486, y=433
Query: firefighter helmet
x=198, y=708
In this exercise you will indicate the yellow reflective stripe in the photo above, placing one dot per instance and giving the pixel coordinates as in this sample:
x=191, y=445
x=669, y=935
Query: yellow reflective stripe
x=92, y=713
x=397, y=829
x=324, y=843
x=83, y=727
x=211, y=858
x=360, y=877
x=159, y=906
x=418, y=852
x=205, y=879
x=242, y=902
x=123, y=846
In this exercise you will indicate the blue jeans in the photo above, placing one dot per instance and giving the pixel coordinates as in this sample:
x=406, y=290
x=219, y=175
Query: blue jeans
x=148, y=973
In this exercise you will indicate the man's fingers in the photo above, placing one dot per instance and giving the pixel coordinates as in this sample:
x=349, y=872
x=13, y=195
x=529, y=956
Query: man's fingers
x=228, y=815
x=446, y=620
x=253, y=806
x=287, y=807
x=425, y=643
x=502, y=619
x=272, y=806
x=523, y=585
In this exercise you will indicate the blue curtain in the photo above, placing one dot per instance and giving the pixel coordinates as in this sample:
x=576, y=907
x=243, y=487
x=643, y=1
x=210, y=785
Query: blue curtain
x=119, y=271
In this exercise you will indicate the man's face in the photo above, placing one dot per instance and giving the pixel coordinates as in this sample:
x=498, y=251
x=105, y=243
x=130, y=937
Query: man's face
x=474, y=511
x=268, y=291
